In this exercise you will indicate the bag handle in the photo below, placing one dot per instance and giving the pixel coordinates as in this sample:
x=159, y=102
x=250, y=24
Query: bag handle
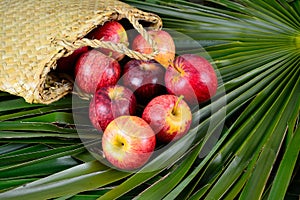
x=133, y=16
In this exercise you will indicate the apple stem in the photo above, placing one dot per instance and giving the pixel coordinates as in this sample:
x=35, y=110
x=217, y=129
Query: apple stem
x=176, y=104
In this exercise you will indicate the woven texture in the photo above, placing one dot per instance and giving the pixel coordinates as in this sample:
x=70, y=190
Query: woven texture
x=35, y=34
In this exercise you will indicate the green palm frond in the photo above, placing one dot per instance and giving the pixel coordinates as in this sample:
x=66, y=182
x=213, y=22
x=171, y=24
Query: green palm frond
x=255, y=46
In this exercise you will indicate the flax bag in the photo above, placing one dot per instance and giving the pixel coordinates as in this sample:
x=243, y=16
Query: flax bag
x=35, y=34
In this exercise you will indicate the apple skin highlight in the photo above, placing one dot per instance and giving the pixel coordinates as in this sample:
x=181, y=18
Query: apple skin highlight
x=164, y=43
x=111, y=31
x=109, y=103
x=193, y=77
x=94, y=70
x=168, y=120
x=128, y=142
x=145, y=79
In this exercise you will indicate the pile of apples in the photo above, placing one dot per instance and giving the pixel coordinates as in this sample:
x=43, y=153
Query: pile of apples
x=138, y=104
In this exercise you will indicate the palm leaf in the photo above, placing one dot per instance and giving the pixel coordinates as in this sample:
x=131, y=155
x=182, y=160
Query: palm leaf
x=254, y=45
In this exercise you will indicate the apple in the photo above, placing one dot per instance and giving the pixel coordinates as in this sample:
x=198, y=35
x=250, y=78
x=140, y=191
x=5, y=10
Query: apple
x=164, y=43
x=145, y=78
x=111, y=31
x=193, y=77
x=128, y=142
x=67, y=64
x=94, y=70
x=169, y=116
x=109, y=103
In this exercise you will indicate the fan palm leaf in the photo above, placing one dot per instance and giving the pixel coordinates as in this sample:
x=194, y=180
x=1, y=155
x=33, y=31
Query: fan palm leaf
x=255, y=47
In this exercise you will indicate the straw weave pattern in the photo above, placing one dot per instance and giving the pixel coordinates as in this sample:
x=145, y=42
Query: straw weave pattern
x=31, y=41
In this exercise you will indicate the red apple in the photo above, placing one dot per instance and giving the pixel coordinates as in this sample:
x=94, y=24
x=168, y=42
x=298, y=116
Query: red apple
x=94, y=70
x=145, y=78
x=111, y=31
x=109, y=103
x=165, y=46
x=193, y=77
x=67, y=64
x=169, y=116
x=128, y=142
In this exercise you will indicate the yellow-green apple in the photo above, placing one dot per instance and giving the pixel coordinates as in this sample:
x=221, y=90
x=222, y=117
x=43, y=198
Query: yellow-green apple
x=193, y=77
x=164, y=44
x=169, y=116
x=145, y=78
x=67, y=64
x=128, y=142
x=94, y=70
x=111, y=31
x=109, y=103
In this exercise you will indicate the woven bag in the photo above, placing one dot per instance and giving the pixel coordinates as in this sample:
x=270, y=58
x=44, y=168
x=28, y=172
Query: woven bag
x=35, y=34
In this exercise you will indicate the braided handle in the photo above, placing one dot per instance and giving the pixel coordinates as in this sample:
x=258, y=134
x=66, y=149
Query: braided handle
x=133, y=17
